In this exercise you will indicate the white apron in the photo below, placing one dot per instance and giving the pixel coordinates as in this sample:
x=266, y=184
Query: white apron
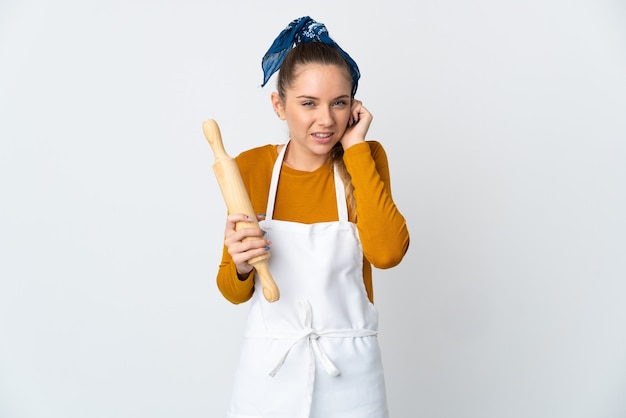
x=313, y=353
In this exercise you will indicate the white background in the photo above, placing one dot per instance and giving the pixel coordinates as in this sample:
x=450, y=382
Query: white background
x=505, y=125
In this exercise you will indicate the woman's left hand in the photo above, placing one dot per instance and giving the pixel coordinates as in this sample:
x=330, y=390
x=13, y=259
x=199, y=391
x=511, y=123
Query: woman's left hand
x=359, y=124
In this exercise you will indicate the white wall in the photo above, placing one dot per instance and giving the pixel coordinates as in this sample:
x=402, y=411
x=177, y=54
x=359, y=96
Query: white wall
x=505, y=128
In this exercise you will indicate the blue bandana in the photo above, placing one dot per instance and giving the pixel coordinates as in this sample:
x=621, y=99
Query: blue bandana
x=300, y=31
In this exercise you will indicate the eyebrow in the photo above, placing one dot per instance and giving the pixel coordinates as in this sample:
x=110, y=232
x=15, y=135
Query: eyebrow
x=344, y=96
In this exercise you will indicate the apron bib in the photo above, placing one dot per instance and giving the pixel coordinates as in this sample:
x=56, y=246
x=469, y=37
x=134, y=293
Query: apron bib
x=313, y=353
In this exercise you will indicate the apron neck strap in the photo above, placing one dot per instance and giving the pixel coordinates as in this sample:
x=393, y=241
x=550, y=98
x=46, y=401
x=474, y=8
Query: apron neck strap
x=340, y=193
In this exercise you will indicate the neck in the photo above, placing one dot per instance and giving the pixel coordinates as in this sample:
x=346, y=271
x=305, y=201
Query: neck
x=301, y=162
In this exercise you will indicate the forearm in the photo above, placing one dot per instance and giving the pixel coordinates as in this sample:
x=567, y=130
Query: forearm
x=382, y=228
x=229, y=283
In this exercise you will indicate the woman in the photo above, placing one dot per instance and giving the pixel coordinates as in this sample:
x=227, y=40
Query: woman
x=329, y=216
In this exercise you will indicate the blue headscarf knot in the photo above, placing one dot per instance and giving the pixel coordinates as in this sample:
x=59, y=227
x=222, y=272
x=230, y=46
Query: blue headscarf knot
x=299, y=31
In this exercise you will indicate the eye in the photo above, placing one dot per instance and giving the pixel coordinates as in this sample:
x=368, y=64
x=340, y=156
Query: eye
x=340, y=103
x=308, y=103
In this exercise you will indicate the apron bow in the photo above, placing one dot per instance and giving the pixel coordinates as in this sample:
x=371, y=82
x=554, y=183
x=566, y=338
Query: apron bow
x=315, y=349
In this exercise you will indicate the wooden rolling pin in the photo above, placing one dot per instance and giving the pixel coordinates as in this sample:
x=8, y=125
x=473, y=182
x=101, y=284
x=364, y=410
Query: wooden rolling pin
x=238, y=201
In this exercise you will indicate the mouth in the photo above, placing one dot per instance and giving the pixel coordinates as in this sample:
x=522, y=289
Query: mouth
x=322, y=137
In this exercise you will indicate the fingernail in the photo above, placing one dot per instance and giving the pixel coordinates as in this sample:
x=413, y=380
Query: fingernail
x=247, y=217
x=267, y=248
x=264, y=232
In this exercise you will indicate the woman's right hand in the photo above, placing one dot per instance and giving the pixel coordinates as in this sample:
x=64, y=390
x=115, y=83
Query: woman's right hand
x=240, y=247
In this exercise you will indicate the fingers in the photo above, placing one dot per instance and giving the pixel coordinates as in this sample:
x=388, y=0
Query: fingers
x=243, y=251
x=358, y=125
x=240, y=227
x=233, y=220
x=354, y=110
x=359, y=112
x=244, y=243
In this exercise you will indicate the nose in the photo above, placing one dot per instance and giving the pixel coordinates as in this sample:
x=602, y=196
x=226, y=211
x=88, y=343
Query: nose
x=325, y=117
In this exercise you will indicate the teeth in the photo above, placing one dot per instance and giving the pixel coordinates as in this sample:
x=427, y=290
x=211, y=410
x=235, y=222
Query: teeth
x=322, y=135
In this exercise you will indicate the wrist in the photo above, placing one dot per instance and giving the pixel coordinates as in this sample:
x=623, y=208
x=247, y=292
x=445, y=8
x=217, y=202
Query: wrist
x=243, y=276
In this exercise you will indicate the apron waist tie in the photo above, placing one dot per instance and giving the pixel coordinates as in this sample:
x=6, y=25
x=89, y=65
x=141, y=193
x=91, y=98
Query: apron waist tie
x=311, y=336
x=315, y=349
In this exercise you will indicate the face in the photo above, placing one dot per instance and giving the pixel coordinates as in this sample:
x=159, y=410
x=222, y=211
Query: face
x=317, y=108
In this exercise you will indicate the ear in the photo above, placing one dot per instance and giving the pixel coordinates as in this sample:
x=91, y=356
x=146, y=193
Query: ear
x=278, y=106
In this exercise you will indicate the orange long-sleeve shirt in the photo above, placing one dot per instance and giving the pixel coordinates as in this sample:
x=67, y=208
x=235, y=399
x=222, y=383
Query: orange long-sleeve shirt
x=309, y=197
